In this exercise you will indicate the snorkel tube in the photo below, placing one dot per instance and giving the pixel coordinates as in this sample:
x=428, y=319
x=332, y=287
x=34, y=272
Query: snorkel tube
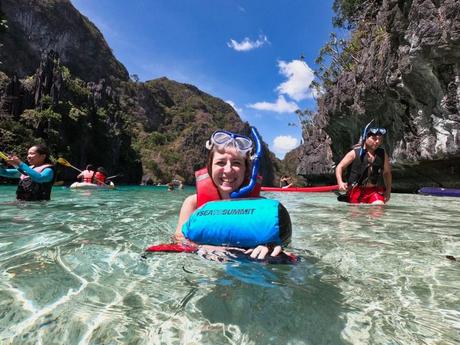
x=363, y=139
x=255, y=167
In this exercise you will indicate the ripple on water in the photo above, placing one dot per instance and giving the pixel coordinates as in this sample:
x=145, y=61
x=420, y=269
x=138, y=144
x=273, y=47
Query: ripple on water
x=72, y=270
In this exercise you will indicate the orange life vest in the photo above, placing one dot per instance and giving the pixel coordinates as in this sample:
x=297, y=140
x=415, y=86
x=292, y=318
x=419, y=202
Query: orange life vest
x=207, y=191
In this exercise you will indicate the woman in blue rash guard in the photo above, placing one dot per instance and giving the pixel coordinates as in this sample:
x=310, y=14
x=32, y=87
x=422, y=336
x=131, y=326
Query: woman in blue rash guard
x=35, y=179
x=228, y=167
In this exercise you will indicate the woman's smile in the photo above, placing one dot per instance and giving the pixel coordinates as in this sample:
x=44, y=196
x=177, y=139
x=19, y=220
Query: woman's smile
x=228, y=171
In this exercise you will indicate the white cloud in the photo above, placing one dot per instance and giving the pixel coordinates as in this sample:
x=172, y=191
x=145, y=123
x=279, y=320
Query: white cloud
x=300, y=76
x=234, y=106
x=280, y=106
x=246, y=44
x=283, y=144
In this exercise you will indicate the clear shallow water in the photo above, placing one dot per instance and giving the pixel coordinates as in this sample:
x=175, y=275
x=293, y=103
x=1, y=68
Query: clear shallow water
x=71, y=272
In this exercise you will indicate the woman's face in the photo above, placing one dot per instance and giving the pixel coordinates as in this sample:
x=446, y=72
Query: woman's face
x=228, y=171
x=34, y=158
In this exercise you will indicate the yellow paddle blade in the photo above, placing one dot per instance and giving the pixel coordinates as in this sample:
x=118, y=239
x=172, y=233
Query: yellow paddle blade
x=3, y=156
x=62, y=161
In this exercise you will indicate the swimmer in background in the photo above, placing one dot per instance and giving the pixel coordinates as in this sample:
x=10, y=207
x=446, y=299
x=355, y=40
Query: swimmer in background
x=286, y=182
x=370, y=177
x=36, y=179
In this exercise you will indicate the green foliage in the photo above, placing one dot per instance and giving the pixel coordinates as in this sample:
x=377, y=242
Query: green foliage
x=77, y=88
x=156, y=138
x=3, y=22
x=337, y=56
x=46, y=101
x=37, y=118
x=3, y=25
x=171, y=157
x=381, y=34
x=102, y=114
x=76, y=114
x=304, y=116
x=347, y=12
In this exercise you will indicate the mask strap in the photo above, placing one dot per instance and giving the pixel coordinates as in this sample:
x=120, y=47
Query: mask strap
x=243, y=191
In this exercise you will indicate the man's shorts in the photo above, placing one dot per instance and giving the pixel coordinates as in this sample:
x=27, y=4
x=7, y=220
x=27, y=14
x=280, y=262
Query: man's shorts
x=366, y=195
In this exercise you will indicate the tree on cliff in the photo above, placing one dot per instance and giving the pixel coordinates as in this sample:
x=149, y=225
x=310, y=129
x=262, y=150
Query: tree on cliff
x=347, y=12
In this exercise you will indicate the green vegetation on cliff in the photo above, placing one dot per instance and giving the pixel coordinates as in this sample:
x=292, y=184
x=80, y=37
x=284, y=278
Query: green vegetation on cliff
x=60, y=84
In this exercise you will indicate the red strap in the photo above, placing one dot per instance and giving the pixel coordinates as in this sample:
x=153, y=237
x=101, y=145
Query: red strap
x=172, y=247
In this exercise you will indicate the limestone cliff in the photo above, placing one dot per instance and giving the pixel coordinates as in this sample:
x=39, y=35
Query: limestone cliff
x=38, y=26
x=60, y=84
x=406, y=76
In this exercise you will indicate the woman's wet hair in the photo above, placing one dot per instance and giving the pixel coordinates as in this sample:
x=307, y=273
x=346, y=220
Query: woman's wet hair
x=43, y=150
x=90, y=167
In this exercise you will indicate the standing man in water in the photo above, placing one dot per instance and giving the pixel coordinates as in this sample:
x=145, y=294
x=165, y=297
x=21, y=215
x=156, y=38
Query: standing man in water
x=369, y=178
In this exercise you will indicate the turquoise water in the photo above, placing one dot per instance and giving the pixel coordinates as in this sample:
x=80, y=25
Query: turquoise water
x=72, y=273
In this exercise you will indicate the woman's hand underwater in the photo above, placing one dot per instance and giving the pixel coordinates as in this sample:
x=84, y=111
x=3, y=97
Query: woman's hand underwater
x=261, y=251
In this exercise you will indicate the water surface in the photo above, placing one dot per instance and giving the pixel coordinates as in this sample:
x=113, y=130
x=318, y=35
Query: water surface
x=72, y=273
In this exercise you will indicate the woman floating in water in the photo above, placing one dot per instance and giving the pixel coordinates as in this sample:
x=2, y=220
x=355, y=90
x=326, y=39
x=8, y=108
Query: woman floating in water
x=37, y=179
x=228, y=168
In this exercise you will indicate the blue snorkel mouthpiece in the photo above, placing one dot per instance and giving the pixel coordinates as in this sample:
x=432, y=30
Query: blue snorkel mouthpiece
x=243, y=191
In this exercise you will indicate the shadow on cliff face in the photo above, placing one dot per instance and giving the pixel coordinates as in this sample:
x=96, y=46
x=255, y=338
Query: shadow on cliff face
x=439, y=173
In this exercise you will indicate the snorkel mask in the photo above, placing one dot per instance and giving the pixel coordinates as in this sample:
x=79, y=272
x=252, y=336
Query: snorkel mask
x=223, y=139
x=367, y=132
x=376, y=131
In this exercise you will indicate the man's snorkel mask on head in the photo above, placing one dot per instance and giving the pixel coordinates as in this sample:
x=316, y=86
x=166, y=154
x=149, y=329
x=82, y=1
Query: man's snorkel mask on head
x=223, y=139
x=367, y=131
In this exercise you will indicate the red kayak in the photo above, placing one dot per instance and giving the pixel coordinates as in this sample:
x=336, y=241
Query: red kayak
x=301, y=189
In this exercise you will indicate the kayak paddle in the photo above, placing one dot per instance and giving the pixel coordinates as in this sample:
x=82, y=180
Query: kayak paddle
x=64, y=162
x=3, y=156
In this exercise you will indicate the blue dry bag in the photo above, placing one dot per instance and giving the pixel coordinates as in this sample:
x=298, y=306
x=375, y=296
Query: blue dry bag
x=240, y=223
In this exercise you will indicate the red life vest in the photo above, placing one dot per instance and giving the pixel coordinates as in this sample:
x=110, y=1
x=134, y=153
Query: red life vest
x=207, y=191
x=100, y=178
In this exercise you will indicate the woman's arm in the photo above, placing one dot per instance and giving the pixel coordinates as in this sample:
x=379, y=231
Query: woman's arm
x=188, y=207
x=45, y=176
x=10, y=173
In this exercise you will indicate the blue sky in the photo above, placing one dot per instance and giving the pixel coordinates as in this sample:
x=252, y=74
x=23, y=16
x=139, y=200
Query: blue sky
x=246, y=52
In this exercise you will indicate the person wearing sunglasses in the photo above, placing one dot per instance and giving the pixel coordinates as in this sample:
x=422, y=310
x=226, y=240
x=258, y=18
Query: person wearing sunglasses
x=369, y=178
x=228, y=170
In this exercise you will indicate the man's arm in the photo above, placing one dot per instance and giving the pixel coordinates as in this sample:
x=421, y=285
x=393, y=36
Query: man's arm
x=344, y=163
x=387, y=177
